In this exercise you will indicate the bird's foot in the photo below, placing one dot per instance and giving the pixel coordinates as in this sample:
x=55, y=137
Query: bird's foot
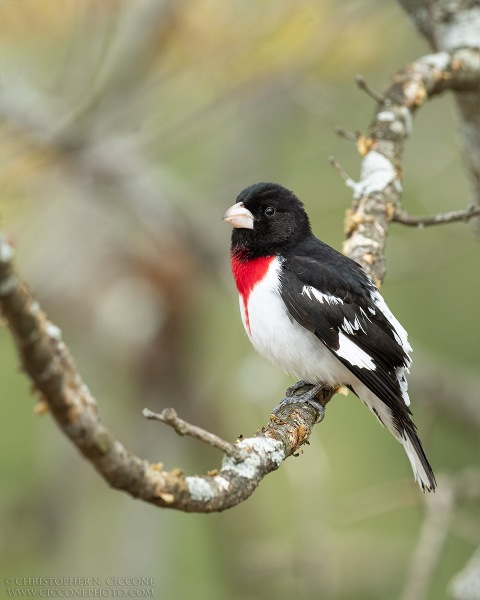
x=295, y=387
x=307, y=397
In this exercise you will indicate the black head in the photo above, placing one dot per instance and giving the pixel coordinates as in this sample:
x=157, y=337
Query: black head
x=267, y=219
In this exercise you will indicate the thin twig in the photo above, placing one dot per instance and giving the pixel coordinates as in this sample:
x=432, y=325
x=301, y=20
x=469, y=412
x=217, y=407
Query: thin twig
x=404, y=218
x=47, y=361
x=377, y=194
x=431, y=34
x=340, y=170
x=170, y=418
x=352, y=136
x=364, y=86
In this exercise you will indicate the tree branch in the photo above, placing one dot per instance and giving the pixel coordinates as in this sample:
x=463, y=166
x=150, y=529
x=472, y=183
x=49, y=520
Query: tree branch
x=47, y=361
x=341, y=171
x=170, y=418
x=404, y=218
x=366, y=87
x=351, y=136
x=377, y=196
x=450, y=27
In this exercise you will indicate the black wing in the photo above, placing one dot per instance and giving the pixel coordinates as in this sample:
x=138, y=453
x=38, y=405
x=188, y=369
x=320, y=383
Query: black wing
x=331, y=296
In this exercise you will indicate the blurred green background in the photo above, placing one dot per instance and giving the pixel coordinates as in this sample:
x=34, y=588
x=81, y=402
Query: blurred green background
x=127, y=128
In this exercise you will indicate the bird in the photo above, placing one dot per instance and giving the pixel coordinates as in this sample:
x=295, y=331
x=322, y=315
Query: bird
x=316, y=315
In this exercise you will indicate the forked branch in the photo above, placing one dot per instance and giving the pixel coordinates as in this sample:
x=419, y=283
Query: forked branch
x=48, y=362
x=377, y=195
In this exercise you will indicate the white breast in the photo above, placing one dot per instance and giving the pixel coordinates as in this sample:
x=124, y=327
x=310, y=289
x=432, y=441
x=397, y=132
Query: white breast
x=279, y=338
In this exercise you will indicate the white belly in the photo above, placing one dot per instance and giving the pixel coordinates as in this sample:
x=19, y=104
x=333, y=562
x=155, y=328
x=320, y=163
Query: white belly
x=298, y=352
x=279, y=338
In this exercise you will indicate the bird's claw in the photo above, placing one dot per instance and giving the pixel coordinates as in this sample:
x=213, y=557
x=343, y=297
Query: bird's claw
x=305, y=398
x=295, y=387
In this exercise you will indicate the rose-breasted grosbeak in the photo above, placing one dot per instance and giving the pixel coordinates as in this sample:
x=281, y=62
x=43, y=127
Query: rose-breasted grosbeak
x=315, y=314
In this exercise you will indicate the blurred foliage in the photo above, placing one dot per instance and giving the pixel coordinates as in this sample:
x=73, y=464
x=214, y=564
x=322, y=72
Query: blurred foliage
x=127, y=128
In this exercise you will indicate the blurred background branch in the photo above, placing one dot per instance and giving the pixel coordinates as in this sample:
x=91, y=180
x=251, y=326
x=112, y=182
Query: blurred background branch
x=127, y=129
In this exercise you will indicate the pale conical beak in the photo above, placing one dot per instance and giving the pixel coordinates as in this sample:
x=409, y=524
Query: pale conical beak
x=238, y=216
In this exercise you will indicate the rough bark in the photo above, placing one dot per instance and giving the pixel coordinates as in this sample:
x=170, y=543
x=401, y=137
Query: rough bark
x=377, y=196
x=449, y=26
x=48, y=363
x=377, y=201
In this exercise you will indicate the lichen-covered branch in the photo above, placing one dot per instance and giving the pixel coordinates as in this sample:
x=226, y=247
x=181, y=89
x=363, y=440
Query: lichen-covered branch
x=377, y=195
x=169, y=417
x=451, y=26
x=48, y=363
x=439, y=219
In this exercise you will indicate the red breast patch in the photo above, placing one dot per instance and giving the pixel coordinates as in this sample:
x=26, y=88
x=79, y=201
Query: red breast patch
x=247, y=274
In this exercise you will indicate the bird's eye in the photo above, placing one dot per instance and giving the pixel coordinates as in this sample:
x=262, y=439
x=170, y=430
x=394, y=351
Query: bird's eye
x=269, y=211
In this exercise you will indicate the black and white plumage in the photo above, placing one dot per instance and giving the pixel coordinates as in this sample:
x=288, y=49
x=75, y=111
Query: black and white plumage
x=315, y=314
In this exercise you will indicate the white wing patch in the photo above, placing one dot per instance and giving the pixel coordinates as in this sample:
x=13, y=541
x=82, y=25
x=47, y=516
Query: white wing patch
x=403, y=383
x=351, y=328
x=308, y=291
x=402, y=338
x=353, y=353
x=398, y=331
